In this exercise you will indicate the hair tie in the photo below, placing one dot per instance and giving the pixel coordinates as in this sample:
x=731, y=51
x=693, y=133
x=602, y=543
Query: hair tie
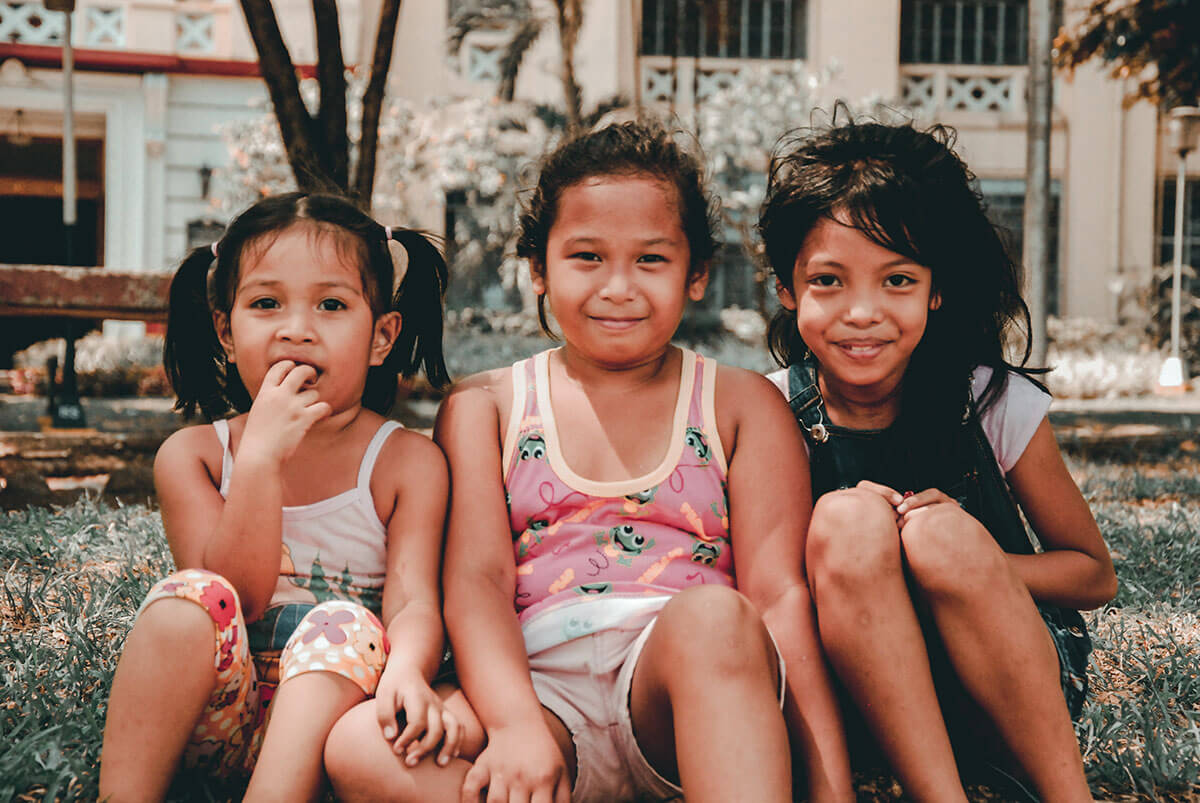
x=214, y=250
x=387, y=232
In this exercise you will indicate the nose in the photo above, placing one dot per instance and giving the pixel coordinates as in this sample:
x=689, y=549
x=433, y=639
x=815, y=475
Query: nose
x=618, y=285
x=296, y=326
x=865, y=308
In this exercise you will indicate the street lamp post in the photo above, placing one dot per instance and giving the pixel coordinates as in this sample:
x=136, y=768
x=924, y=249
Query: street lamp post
x=68, y=412
x=1183, y=123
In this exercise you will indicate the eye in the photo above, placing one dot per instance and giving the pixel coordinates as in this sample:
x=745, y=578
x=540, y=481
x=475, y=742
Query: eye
x=899, y=280
x=585, y=256
x=264, y=303
x=824, y=280
x=331, y=304
x=651, y=258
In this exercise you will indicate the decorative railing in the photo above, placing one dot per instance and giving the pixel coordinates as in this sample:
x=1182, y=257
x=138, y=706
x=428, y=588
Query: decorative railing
x=683, y=82
x=932, y=89
x=145, y=26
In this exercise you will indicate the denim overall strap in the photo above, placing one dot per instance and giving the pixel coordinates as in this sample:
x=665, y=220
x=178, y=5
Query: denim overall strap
x=804, y=397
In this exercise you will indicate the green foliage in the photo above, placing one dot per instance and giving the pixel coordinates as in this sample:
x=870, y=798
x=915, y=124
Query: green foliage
x=1156, y=42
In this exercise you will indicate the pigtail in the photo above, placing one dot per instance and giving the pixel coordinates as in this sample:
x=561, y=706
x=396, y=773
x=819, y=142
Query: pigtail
x=419, y=300
x=193, y=358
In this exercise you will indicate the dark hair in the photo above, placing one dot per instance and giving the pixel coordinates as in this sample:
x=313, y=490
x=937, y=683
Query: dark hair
x=195, y=362
x=620, y=149
x=907, y=191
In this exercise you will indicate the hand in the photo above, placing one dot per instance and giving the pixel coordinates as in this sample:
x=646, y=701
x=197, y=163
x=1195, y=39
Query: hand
x=283, y=411
x=406, y=708
x=890, y=495
x=916, y=504
x=521, y=764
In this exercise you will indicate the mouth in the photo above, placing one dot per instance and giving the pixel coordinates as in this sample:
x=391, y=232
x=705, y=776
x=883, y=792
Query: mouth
x=861, y=349
x=616, y=324
x=309, y=382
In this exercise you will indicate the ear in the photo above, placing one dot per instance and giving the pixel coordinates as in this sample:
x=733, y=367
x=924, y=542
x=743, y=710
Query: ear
x=224, y=334
x=786, y=297
x=698, y=283
x=387, y=329
x=537, y=276
x=935, y=300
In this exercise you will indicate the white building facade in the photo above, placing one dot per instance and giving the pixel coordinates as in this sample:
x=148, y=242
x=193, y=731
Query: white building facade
x=155, y=78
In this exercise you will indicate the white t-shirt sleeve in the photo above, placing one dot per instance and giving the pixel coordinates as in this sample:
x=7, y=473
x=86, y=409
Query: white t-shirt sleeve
x=1013, y=417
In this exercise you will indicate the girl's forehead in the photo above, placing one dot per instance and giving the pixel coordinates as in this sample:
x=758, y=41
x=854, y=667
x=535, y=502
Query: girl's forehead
x=302, y=249
x=620, y=200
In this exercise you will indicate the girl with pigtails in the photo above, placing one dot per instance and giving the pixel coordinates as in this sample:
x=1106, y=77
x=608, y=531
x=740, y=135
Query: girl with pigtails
x=305, y=526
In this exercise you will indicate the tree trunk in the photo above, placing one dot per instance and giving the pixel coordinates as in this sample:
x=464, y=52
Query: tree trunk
x=332, y=143
x=570, y=18
x=372, y=103
x=1036, y=225
x=510, y=64
x=295, y=123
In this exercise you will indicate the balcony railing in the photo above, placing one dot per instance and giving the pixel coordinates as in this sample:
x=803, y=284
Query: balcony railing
x=932, y=89
x=683, y=82
x=150, y=26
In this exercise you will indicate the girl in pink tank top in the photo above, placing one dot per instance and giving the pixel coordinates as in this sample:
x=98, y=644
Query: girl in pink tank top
x=603, y=494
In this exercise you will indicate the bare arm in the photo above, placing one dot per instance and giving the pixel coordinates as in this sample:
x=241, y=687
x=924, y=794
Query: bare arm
x=239, y=537
x=770, y=503
x=1075, y=570
x=479, y=581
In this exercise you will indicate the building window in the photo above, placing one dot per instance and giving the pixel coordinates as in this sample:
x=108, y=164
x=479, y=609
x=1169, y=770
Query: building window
x=966, y=31
x=1005, y=206
x=1191, y=223
x=735, y=29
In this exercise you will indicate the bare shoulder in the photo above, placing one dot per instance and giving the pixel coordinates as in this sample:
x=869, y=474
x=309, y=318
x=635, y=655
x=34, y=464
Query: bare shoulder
x=483, y=399
x=187, y=450
x=412, y=455
x=747, y=402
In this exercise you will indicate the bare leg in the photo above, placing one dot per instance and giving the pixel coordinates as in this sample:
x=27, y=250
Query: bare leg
x=708, y=676
x=871, y=634
x=362, y=766
x=161, y=687
x=998, y=644
x=303, y=711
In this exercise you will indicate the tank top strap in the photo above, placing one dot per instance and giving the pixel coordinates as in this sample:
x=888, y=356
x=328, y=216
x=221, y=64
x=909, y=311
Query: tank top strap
x=524, y=407
x=702, y=411
x=221, y=427
x=367, y=467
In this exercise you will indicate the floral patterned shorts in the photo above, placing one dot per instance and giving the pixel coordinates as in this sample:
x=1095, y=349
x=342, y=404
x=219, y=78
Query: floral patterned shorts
x=335, y=636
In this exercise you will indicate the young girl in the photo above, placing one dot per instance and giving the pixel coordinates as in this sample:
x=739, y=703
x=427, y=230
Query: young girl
x=940, y=619
x=604, y=493
x=299, y=521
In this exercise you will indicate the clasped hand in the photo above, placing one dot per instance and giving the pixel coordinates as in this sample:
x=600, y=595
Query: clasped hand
x=521, y=764
x=414, y=719
x=908, y=506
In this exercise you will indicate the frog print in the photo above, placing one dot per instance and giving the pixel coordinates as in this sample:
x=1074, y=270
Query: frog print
x=694, y=438
x=532, y=536
x=532, y=446
x=623, y=543
x=705, y=553
x=592, y=589
x=636, y=501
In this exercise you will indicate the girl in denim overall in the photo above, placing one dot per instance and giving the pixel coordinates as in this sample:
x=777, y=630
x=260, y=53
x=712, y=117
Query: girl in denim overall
x=952, y=632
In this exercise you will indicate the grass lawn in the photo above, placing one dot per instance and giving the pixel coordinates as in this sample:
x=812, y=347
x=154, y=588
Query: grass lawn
x=74, y=576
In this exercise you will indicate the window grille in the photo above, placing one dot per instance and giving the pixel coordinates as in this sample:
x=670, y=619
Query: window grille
x=966, y=31
x=736, y=29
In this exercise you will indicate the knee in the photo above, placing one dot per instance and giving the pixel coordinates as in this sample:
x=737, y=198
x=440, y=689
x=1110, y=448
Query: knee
x=852, y=540
x=950, y=554
x=349, y=761
x=714, y=629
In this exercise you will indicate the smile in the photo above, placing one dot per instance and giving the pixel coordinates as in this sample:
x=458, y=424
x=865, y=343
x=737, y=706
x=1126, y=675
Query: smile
x=861, y=350
x=617, y=323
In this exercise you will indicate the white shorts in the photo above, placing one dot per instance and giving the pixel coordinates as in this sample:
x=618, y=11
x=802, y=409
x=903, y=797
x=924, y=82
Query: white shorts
x=586, y=682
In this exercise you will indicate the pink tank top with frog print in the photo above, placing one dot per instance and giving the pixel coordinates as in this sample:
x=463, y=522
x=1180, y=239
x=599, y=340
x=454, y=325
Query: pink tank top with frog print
x=654, y=534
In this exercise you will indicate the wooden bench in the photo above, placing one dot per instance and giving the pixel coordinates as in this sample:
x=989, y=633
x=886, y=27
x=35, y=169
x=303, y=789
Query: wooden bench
x=28, y=458
x=83, y=292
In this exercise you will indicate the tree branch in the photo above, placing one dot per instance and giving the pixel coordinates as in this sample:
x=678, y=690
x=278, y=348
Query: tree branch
x=332, y=142
x=372, y=103
x=277, y=70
